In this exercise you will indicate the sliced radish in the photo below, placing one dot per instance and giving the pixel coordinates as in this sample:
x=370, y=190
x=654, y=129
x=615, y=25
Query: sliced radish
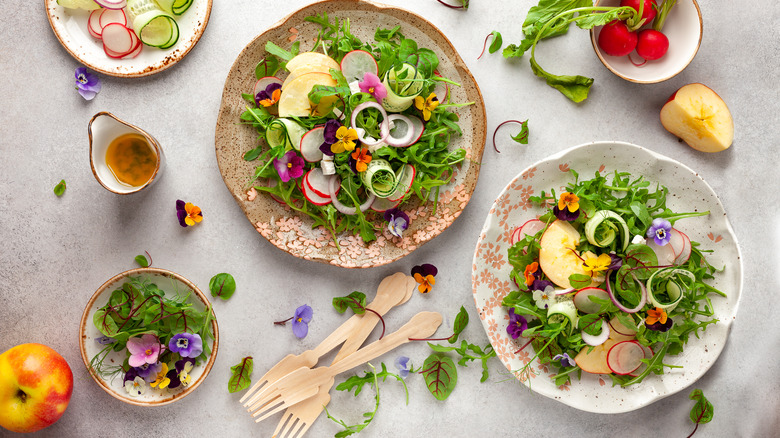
x=117, y=40
x=93, y=23
x=135, y=52
x=356, y=64
x=383, y=204
x=442, y=89
x=685, y=253
x=405, y=180
x=676, y=242
x=112, y=4
x=109, y=16
x=312, y=196
x=264, y=82
x=310, y=145
x=583, y=302
x=333, y=185
x=665, y=254
x=319, y=182
x=625, y=357
x=599, y=339
x=402, y=131
x=419, y=127
x=648, y=355
x=530, y=227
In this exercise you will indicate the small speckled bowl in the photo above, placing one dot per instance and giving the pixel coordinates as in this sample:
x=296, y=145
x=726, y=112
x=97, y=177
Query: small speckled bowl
x=103, y=128
x=171, y=283
x=683, y=28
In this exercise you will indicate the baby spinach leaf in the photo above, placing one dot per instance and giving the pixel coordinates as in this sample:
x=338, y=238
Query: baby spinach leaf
x=240, y=375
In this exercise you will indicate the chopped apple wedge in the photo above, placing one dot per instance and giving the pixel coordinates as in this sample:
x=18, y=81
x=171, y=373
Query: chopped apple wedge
x=594, y=360
x=312, y=58
x=699, y=117
x=558, y=256
x=294, y=100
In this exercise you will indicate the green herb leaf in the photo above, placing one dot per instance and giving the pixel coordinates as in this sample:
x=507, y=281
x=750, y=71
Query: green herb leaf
x=355, y=301
x=222, y=285
x=702, y=411
x=522, y=136
x=241, y=374
x=142, y=261
x=461, y=321
x=590, y=324
x=267, y=67
x=440, y=375
x=578, y=281
x=576, y=88
x=59, y=189
x=357, y=384
x=497, y=42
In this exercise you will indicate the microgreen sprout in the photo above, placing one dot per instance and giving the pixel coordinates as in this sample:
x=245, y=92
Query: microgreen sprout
x=357, y=302
x=464, y=4
x=494, y=46
x=521, y=137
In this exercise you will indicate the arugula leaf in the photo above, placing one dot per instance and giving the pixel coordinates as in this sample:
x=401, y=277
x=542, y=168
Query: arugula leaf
x=440, y=375
x=355, y=301
x=702, y=411
x=241, y=374
x=59, y=189
x=279, y=52
x=222, y=285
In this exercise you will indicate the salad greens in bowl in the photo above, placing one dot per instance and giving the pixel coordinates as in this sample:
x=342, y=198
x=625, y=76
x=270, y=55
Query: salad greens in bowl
x=350, y=133
x=607, y=277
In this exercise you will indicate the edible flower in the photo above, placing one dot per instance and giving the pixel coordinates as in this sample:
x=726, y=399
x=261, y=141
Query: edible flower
x=290, y=166
x=594, y=265
x=188, y=213
x=360, y=157
x=135, y=387
x=331, y=126
x=426, y=105
x=658, y=320
x=517, y=324
x=300, y=322
x=162, y=380
x=270, y=96
x=531, y=273
x=148, y=371
x=402, y=364
x=568, y=207
x=345, y=140
x=660, y=231
x=143, y=350
x=616, y=262
x=541, y=284
x=544, y=298
x=398, y=221
x=565, y=359
x=373, y=86
x=87, y=83
x=424, y=275
x=183, y=368
x=105, y=340
x=186, y=344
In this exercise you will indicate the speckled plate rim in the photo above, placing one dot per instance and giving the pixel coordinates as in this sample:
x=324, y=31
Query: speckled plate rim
x=227, y=134
x=607, y=400
x=95, y=58
x=86, y=319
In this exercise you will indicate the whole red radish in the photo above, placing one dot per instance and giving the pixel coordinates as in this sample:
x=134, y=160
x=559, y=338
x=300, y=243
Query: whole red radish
x=651, y=44
x=616, y=40
x=648, y=13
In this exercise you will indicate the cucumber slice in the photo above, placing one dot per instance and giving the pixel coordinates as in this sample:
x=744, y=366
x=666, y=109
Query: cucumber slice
x=563, y=309
x=401, y=92
x=284, y=132
x=380, y=178
x=153, y=26
x=608, y=232
x=176, y=7
x=88, y=5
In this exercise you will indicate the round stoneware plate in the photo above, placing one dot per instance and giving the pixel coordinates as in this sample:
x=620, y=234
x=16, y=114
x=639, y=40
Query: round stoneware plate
x=70, y=27
x=293, y=233
x=172, y=284
x=688, y=192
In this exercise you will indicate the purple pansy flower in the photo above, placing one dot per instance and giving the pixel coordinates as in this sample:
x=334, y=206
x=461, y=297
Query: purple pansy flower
x=425, y=275
x=331, y=126
x=517, y=324
x=300, y=322
x=616, y=263
x=565, y=359
x=270, y=96
x=186, y=344
x=398, y=222
x=87, y=83
x=290, y=166
x=660, y=231
x=541, y=285
x=143, y=350
x=148, y=371
x=372, y=85
x=130, y=375
x=565, y=214
x=105, y=340
x=402, y=364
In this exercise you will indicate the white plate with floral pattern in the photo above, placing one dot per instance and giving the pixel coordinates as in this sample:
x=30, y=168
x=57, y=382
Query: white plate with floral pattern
x=687, y=192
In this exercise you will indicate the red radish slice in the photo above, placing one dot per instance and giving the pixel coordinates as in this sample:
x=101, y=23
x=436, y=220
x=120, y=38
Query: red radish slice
x=442, y=89
x=264, y=82
x=312, y=196
x=383, y=204
x=135, y=52
x=625, y=357
x=530, y=227
x=112, y=4
x=676, y=241
x=117, y=40
x=269, y=182
x=384, y=127
x=109, y=16
x=405, y=181
x=333, y=190
x=319, y=182
x=685, y=253
x=419, y=127
x=648, y=355
x=93, y=23
x=665, y=254
x=402, y=132
x=356, y=64
x=599, y=339
x=310, y=145
x=583, y=302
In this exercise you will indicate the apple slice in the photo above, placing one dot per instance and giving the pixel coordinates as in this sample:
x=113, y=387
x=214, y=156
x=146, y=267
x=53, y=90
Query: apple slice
x=619, y=331
x=302, y=70
x=699, y=117
x=312, y=58
x=294, y=101
x=558, y=256
x=594, y=359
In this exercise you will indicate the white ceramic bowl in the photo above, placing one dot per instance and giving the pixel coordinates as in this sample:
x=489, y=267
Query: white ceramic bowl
x=683, y=28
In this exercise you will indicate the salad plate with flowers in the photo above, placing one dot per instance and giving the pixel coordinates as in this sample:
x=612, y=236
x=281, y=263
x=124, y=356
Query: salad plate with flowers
x=148, y=337
x=607, y=277
x=350, y=133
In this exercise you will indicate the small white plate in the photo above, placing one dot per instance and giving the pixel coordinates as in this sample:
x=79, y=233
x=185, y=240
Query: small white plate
x=687, y=192
x=70, y=27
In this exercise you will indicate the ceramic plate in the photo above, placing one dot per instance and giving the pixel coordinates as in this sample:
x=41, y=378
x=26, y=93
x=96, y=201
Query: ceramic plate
x=293, y=233
x=171, y=283
x=688, y=192
x=70, y=27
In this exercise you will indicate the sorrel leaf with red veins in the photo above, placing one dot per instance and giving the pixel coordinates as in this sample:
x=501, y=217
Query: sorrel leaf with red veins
x=241, y=375
x=355, y=301
x=222, y=285
x=440, y=375
x=59, y=189
x=702, y=411
x=461, y=321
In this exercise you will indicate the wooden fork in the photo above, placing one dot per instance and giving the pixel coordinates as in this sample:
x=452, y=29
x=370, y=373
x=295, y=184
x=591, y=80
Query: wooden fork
x=304, y=382
x=392, y=291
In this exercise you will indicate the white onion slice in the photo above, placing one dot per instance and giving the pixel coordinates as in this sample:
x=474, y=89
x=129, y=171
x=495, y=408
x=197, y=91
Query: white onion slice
x=384, y=127
x=408, y=137
x=597, y=339
x=332, y=185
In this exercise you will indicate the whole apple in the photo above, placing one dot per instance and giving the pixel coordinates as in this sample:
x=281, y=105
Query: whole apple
x=35, y=387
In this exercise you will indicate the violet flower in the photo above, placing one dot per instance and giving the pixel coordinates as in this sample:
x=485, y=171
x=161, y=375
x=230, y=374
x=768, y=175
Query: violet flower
x=517, y=324
x=183, y=368
x=660, y=231
x=105, y=340
x=300, y=322
x=541, y=285
x=372, y=85
x=143, y=350
x=398, y=221
x=331, y=127
x=565, y=359
x=617, y=262
x=544, y=298
x=186, y=344
x=270, y=96
x=87, y=83
x=290, y=166
x=148, y=371
x=402, y=364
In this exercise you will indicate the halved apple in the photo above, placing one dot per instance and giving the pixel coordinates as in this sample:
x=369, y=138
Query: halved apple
x=558, y=256
x=699, y=117
x=594, y=360
x=294, y=100
x=312, y=58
